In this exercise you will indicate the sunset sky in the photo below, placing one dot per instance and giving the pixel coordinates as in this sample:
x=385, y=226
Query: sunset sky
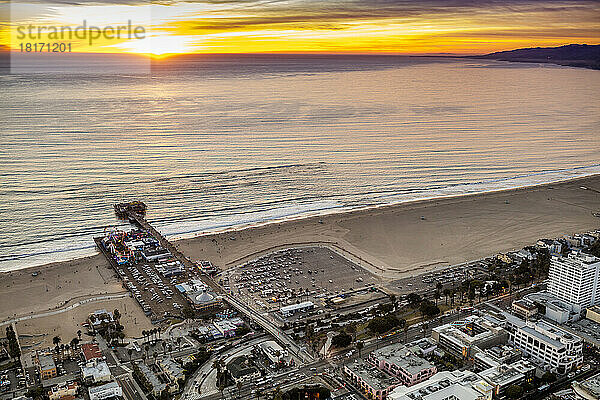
x=334, y=26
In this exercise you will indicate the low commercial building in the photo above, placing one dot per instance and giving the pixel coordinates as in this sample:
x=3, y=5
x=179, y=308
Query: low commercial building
x=496, y=356
x=243, y=370
x=588, y=389
x=292, y=309
x=423, y=347
x=96, y=373
x=199, y=295
x=46, y=366
x=225, y=327
x=91, y=354
x=554, y=309
x=503, y=376
x=524, y=308
x=446, y=385
x=593, y=314
x=105, y=391
x=467, y=337
x=398, y=361
x=60, y=391
x=273, y=351
x=373, y=383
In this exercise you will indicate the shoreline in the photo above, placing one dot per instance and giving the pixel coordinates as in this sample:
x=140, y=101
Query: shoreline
x=185, y=236
x=327, y=213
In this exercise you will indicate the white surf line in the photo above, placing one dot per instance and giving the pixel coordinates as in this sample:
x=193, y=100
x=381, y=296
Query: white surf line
x=68, y=308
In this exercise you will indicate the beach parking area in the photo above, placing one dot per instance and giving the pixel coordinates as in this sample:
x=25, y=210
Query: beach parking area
x=307, y=274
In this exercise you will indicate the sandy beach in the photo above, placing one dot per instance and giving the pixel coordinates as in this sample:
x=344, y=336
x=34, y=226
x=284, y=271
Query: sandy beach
x=392, y=241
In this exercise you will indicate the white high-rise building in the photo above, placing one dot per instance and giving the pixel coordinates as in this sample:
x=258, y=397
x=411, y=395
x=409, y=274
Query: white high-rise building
x=575, y=279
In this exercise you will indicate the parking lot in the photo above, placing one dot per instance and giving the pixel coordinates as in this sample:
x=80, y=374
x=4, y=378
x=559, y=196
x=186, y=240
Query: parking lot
x=294, y=275
x=147, y=270
x=156, y=294
x=447, y=276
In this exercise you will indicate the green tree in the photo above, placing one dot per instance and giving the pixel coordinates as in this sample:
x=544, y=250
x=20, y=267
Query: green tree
x=514, y=391
x=341, y=340
x=359, y=346
x=548, y=377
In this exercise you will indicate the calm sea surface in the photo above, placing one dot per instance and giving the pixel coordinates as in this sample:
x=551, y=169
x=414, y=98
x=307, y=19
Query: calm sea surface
x=233, y=141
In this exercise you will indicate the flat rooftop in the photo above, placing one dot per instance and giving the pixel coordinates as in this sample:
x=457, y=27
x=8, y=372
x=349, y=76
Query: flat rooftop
x=401, y=356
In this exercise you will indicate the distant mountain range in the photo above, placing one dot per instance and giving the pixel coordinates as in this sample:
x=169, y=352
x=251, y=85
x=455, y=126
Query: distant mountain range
x=573, y=55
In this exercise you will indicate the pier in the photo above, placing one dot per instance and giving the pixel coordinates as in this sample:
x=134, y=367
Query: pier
x=135, y=212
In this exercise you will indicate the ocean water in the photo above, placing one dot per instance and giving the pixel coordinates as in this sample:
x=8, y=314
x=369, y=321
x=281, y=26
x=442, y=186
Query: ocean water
x=216, y=142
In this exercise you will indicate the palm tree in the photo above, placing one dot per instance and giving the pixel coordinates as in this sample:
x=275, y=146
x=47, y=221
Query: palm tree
x=359, y=347
x=144, y=333
x=74, y=343
x=56, y=342
x=116, y=315
x=130, y=352
x=79, y=334
x=394, y=300
x=446, y=294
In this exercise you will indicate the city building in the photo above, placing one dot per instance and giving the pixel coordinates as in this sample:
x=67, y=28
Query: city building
x=46, y=366
x=524, y=308
x=398, y=361
x=155, y=383
x=199, y=295
x=446, y=385
x=588, y=389
x=467, y=337
x=172, y=370
x=373, y=383
x=91, y=354
x=105, y=391
x=554, y=309
x=100, y=319
x=292, y=309
x=96, y=373
x=547, y=345
x=59, y=391
x=593, y=314
x=243, y=370
x=496, y=356
x=273, y=351
x=575, y=279
x=423, y=347
x=503, y=376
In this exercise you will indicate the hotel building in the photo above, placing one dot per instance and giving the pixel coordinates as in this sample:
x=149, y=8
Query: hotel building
x=575, y=279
